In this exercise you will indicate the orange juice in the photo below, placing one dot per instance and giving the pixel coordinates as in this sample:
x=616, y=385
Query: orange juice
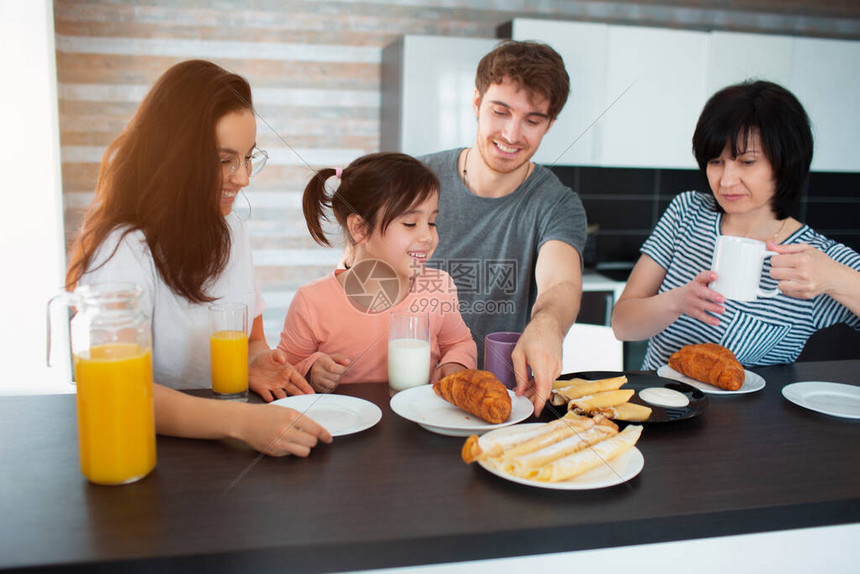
x=229, y=362
x=116, y=424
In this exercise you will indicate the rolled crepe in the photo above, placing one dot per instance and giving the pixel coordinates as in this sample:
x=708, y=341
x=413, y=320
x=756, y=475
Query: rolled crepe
x=566, y=427
x=589, y=458
x=480, y=448
x=591, y=403
x=522, y=465
x=584, y=388
x=557, y=400
x=626, y=412
x=560, y=384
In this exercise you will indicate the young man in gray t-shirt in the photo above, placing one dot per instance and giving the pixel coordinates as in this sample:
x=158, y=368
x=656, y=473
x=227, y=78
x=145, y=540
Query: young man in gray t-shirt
x=510, y=233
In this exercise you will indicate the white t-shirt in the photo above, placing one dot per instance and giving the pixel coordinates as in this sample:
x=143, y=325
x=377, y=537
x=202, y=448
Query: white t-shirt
x=180, y=330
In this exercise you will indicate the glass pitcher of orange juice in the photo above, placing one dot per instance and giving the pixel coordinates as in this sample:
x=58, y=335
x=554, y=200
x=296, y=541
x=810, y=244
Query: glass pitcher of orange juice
x=111, y=343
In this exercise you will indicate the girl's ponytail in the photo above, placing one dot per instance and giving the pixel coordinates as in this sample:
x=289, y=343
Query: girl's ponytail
x=314, y=203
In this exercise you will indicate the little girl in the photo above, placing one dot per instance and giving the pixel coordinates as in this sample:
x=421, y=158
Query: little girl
x=336, y=330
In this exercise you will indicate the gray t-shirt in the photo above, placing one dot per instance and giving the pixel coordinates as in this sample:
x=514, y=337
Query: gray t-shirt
x=490, y=246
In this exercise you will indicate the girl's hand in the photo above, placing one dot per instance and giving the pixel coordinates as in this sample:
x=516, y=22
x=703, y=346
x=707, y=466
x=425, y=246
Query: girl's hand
x=271, y=376
x=802, y=270
x=326, y=372
x=444, y=370
x=695, y=299
x=278, y=431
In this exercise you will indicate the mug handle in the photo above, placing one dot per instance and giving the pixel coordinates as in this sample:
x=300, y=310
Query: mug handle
x=773, y=292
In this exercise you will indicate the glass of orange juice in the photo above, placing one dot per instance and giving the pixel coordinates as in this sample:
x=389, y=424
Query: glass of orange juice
x=228, y=345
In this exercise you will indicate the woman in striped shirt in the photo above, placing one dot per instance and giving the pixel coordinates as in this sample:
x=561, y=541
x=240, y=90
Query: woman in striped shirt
x=753, y=143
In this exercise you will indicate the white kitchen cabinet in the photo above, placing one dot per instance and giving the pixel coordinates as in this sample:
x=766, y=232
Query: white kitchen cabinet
x=825, y=76
x=575, y=137
x=735, y=57
x=427, y=88
x=665, y=76
x=643, y=89
x=652, y=123
x=674, y=72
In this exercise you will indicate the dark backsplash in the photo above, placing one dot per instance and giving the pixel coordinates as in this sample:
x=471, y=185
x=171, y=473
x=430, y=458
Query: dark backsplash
x=627, y=202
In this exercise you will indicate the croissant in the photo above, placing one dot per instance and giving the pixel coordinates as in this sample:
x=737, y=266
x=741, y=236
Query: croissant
x=709, y=363
x=477, y=392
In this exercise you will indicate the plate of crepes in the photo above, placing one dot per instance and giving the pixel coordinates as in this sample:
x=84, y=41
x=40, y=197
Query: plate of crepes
x=711, y=368
x=338, y=414
x=462, y=404
x=631, y=398
x=574, y=452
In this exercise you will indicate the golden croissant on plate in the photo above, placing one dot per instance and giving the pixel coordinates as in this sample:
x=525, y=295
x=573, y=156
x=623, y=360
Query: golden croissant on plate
x=480, y=393
x=709, y=363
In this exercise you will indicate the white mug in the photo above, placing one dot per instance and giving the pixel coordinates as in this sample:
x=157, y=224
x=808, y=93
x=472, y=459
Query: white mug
x=738, y=262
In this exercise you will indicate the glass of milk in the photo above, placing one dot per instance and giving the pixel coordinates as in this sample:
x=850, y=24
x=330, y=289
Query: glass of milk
x=408, y=350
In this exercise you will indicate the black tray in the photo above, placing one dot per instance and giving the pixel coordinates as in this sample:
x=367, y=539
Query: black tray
x=637, y=382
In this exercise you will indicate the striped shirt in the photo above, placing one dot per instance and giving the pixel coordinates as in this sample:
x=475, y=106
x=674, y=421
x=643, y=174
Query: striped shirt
x=760, y=332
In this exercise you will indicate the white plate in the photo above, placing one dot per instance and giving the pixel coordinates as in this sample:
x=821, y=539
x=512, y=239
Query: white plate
x=423, y=406
x=339, y=414
x=616, y=471
x=752, y=382
x=829, y=398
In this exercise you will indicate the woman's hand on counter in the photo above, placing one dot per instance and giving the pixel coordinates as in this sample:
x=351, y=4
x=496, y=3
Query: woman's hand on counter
x=277, y=431
x=270, y=429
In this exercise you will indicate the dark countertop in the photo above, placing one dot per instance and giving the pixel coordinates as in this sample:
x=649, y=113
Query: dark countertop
x=398, y=495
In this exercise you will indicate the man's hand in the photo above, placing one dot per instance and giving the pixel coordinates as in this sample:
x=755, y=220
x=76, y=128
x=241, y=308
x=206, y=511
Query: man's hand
x=538, y=348
x=559, y=282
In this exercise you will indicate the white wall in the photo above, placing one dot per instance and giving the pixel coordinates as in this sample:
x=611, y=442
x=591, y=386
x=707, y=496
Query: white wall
x=31, y=225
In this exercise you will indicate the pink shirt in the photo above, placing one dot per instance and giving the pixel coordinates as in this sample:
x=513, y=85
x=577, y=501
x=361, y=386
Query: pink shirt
x=321, y=319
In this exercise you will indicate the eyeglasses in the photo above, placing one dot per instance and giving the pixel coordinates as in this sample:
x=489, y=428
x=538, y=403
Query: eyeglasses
x=254, y=164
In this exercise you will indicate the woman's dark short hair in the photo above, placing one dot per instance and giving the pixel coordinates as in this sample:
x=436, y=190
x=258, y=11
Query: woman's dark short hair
x=735, y=113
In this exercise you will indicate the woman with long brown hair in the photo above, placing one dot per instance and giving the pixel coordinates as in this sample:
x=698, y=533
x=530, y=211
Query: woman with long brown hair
x=162, y=218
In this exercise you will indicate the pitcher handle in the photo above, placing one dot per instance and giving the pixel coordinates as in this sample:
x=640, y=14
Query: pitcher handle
x=66, y=299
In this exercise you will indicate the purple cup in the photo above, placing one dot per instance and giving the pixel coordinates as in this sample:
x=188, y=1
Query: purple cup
x=497, y=356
